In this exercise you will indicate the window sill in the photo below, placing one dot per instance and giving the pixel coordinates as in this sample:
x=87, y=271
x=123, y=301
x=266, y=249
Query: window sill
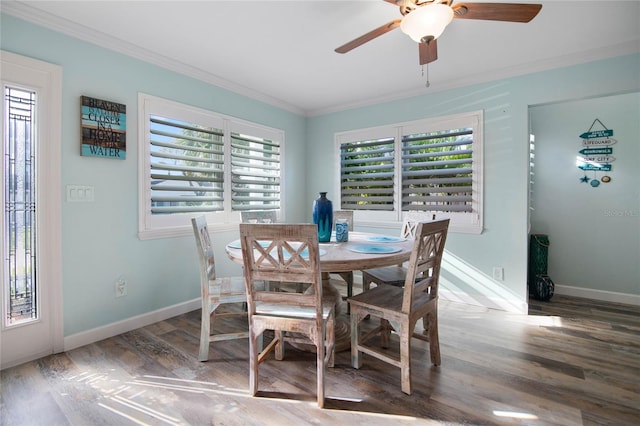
x=154, y=234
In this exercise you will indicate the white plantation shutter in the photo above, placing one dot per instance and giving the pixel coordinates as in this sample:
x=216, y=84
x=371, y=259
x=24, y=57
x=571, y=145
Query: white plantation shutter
x=367, y=173
x=437, y=171
x=255, y=170
x=187, y=167
x=428, y=169
x=196, y=162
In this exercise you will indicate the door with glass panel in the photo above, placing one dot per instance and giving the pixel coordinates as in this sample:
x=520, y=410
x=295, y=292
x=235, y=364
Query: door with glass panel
x=30, y=217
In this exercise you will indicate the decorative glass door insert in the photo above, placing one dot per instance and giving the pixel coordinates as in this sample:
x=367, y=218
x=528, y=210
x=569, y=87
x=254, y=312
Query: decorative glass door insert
x=19, y=199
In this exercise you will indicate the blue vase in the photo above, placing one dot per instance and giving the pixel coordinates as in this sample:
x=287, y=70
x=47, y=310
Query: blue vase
x=323, y=217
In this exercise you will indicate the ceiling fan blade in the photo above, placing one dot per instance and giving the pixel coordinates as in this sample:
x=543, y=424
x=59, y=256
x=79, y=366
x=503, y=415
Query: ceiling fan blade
x=428, y=52
x=511, y=12
x=369, y=36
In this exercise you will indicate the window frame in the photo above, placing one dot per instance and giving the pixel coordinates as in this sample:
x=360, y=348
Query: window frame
x=178, y=224
x=461, y=222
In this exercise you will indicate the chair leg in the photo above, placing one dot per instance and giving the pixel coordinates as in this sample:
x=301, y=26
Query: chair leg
x=405, y=358
x=366, y=283
x=205, y=331
x=279, y=335
x=434, y=340
x=253, y=363
x=320, y=367
x=425, y=325
x=348, y=279
x=385, y=333
x=260, y=342
x=366, y=286
x=330, y=338
x=356, y=355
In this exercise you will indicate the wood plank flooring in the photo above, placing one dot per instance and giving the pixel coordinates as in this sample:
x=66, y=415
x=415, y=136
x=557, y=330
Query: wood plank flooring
x=570, y=362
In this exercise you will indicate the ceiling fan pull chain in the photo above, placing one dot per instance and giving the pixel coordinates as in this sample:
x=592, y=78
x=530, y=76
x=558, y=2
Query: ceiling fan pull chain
x=428, y=84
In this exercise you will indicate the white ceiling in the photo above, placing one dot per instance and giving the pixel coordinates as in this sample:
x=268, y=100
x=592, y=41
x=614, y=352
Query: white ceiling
x=282, y=52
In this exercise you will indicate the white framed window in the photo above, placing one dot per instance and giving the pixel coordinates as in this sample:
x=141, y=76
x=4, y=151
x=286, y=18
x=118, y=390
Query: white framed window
x=193, y=161
x=430, y=169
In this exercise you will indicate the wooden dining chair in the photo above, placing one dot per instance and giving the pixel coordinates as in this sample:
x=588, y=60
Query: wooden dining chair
x=390, y=275
x=259, y=216
x=265, y=216
x=291, y=255
x=346, y=276
x=399, y=308
x=215, y=291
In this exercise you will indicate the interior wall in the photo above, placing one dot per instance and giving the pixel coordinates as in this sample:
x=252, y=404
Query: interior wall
x=594, y=231
x=469, y=259
x=100, y=241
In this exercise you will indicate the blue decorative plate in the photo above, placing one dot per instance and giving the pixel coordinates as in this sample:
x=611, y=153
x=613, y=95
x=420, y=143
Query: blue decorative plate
x=385, y=239
x=374, y=249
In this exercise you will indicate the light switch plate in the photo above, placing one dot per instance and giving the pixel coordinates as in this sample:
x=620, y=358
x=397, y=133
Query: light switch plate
x=80, y=193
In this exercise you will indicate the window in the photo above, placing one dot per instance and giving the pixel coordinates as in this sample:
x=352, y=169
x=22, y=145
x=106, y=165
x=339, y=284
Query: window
x=199, y=162
x=20, y=204
x=428, y=168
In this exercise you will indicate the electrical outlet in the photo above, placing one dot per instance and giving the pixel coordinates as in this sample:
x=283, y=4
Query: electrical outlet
x=121, y=287
x=498, y=273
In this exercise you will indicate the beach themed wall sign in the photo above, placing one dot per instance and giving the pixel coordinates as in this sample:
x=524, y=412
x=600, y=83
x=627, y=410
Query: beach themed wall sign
x=104, y=125
x=596, y=154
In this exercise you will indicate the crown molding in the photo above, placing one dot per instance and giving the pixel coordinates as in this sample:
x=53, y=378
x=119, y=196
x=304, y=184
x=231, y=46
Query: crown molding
x=36, y=16
x=622, y=49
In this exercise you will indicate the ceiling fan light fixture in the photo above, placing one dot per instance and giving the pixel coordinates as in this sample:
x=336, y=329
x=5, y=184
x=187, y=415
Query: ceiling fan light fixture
x=427, y=22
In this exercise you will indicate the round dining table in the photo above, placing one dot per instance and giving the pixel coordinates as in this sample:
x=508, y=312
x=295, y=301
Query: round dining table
x=362, y=251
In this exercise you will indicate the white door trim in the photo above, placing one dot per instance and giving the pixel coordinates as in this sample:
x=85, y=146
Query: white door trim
x=49, y=256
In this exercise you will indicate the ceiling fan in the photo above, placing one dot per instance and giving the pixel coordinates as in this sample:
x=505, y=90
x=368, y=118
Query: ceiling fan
x=425, y=20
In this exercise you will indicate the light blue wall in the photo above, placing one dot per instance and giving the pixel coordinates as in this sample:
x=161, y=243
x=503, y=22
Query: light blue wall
x=504, y=242
x=100, y=239
x=594, y=231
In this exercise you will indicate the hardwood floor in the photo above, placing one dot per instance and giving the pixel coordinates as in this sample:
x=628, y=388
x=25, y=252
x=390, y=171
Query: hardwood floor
x=571, y=362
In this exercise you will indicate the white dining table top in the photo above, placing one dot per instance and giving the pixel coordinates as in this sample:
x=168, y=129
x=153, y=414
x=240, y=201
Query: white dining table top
x=362, y=251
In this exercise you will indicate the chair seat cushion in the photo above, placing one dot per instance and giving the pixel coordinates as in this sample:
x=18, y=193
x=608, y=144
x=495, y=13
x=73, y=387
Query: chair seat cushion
x=293, y=311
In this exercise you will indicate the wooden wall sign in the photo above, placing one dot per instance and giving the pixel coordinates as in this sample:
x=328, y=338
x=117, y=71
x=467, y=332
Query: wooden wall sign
x=104, y=125
x=596, y=154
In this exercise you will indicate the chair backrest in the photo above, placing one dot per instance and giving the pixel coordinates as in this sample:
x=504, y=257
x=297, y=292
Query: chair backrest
x=423, y=273
x=410, y=222
x=409, y=228
x=343, y=214
x=205, y=252
x=282, y=253
x=259, y=216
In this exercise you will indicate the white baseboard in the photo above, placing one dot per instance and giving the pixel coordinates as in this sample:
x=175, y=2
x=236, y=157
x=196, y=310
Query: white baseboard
x=589, y=293
x=119, y=327
x=512, y=306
